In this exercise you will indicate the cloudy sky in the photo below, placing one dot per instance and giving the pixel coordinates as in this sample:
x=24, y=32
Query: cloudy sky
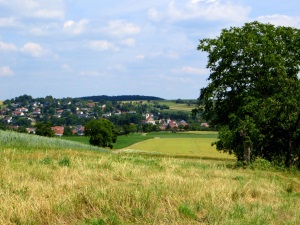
x=75, y=48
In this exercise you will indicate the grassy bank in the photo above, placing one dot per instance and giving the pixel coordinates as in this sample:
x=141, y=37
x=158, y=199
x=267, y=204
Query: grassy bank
x=11, y=139
x=64, y=186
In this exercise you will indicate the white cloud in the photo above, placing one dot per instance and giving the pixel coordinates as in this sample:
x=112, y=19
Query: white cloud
x=121, y=28
x=8, y=22
x=66, y=67
x=49, y=14
x=175, y=79
x=44, y=29
x=102, y=45
x=191, y=70
x=153, y=14
x=33, y=49
x=130, y=42
x=75, y=27
x=118, y=67
x=209, y=10
x=42, y=9
x=91, y=73
x=7, y=46
x=280, y=20
x=6, y=71
x=141, y=57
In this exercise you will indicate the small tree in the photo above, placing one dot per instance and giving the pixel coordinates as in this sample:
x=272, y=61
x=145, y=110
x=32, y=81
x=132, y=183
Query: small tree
x=44, y=129
x=102, y=132
x=67, y=131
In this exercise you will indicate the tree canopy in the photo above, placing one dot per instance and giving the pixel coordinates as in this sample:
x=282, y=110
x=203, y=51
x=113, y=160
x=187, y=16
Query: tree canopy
x=102, y=132
x=44, y=129
x=253, y=92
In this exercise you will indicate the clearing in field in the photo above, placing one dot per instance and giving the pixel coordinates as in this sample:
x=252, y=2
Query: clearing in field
x=193, y=147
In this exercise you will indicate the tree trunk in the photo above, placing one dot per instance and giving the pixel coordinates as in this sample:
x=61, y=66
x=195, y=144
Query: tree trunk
x=288, y=156
x=247, y=148
x=247, y=152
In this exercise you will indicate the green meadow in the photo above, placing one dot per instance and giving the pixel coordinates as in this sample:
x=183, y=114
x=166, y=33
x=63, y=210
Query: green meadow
x=193, y=144
x=188, y=147
x=176, y=106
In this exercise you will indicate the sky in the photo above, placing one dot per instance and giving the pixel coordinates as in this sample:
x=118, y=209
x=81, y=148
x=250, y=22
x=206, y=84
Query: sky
x=76, y=48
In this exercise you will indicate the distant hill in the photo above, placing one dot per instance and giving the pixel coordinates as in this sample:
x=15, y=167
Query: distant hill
x=120, y=98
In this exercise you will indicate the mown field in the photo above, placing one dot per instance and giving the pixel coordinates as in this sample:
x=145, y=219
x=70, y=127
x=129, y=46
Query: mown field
x=176, y=106
x=54, y=181
x=193, y=144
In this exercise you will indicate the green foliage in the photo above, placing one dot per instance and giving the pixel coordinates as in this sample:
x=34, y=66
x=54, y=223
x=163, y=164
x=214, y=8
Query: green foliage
x=44, y=129
x=65, y=161
x=186, y=211
x=102, y=132
x=67, y=131
x=254, y=90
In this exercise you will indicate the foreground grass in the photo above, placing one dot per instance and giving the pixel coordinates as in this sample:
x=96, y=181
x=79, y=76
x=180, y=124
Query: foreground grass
x=57, y=185
x=77, y=187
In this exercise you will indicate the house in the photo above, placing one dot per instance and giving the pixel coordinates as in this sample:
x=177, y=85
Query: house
x=17, y=113
x=149, y=119
x=204, y=125
x=118, y=112
x=91, y=104
x=23, y=109
x=172, y=124
x=78, y=130
x=106, y=115
x=36, y=111
x=132, y=112
x=59, y=111
x=58, y=130
x=4, y=111
x=8, y=119
x=183, y=123
x=31, y=130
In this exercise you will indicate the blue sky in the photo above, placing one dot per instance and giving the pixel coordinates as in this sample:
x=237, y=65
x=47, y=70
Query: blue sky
x=75, y=48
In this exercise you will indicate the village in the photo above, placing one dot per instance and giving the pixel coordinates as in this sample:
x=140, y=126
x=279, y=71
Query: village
x=74, y=113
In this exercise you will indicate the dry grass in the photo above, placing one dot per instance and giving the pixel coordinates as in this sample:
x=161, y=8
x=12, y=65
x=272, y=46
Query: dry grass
x=82, y=187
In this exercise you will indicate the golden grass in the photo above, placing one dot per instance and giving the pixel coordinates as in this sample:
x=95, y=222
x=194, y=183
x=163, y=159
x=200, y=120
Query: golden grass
x=96, y=188
x=194, y=147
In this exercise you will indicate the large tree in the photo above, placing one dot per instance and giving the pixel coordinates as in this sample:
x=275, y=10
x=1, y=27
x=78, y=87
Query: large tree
x=102, y=132
x=254, y=91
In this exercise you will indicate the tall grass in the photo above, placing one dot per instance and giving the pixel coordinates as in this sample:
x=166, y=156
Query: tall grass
x=71, y=187
x=27, y=141
x=67, y=186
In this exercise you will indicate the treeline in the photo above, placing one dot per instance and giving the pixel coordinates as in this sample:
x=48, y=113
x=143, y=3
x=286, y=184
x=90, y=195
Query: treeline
x=120, y=98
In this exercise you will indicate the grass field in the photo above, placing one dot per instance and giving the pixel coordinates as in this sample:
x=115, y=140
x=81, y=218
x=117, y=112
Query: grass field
x=177, y=106
x=55, y=184
x=192, y=147
x=126, y=141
